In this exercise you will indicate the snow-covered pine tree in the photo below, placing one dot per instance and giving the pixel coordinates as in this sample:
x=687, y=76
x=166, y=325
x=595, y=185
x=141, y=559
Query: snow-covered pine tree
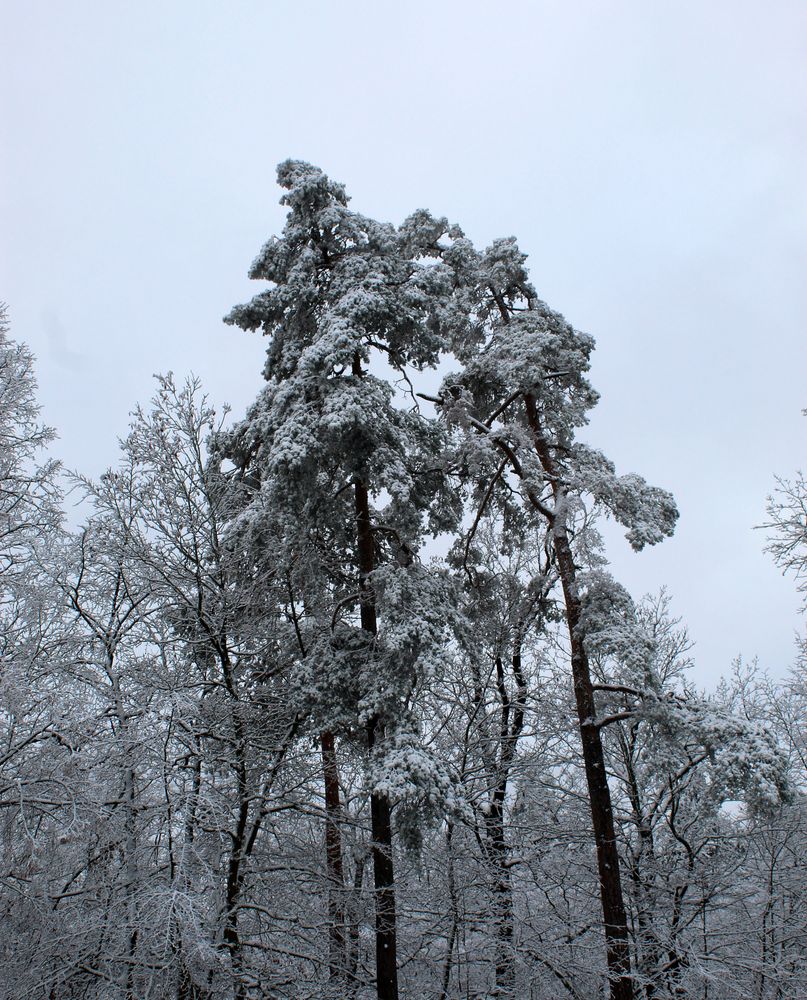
x=517, y=405
x=349, y=480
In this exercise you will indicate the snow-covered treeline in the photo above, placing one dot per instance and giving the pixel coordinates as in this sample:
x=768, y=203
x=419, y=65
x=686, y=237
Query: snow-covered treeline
x=257, y=740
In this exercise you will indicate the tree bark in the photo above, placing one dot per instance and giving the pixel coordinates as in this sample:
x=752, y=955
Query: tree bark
x=641, y=872
x=511, y=725
x=333, y=859
x=502, y=903
x=455, y=915
x=602, y=816
x=353, y=927
x=338, y=960
x=380, y=813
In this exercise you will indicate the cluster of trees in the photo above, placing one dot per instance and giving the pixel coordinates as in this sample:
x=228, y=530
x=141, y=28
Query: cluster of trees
x=258, y=740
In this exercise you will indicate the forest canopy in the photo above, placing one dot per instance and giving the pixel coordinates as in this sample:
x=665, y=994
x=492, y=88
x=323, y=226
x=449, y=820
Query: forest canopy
x=339, y=698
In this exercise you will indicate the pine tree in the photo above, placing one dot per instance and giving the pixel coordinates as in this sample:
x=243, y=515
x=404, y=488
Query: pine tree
x=517, y=404
x=350, y=480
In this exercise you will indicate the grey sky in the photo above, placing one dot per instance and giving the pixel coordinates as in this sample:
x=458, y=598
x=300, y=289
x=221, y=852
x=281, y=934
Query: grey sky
x=651, y=159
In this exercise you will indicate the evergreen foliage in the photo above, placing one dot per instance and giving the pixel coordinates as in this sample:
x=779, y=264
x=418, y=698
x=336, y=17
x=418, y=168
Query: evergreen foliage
x=260, y=738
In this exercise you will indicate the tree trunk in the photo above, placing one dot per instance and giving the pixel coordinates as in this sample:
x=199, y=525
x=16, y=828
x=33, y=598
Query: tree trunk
x=502, y=903
x=602, y=816
x=232, y=938
x=353, y=927
x=380, y=822
x=649, y=950
x=338, y=960
x=130, y=828
x=238, y=850
x=455, y=915
x=333, y=859
x=511, y=726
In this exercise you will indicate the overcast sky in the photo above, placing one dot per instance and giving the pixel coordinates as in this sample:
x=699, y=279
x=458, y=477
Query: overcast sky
x=650, y=157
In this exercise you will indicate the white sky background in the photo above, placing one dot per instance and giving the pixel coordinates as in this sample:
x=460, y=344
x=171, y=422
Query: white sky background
x=650, y=157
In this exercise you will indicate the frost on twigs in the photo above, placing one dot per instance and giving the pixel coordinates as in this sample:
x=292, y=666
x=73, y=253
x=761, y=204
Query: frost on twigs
x=743, y=758
x=787, y=528
x=29, y=491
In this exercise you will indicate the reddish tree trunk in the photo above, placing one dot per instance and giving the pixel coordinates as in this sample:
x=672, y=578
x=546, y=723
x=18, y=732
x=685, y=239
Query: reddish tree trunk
x=602, y=816
x=380, y=814
x=380, y=818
